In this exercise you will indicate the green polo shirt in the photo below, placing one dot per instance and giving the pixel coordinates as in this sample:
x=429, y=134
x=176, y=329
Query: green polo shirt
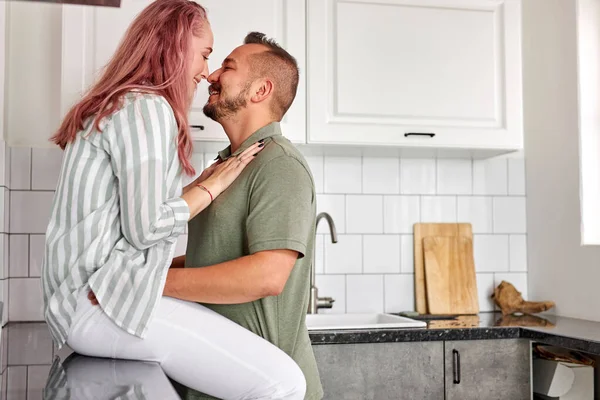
x=270, y=206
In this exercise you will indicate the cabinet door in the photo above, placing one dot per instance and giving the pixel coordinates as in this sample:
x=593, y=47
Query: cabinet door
x=91, y=35
x=382, y=371
x=380, y=70
x=488, y=369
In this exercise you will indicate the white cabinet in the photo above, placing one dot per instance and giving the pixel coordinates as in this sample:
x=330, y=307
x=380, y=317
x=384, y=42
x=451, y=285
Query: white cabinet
x=380, y=70
x=91, y=35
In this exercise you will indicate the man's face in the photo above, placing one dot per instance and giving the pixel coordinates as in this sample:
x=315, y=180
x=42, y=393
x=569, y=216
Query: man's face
x=231, y=85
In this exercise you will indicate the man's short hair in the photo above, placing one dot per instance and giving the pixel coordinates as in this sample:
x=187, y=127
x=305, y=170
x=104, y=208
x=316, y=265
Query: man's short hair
x=280, y=66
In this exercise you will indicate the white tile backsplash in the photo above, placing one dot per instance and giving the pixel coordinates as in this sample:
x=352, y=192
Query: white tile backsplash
x=37, y=245
x=364, y=214
x=333, y=286
x=417, y=176
x=29, y=346
x=345, y=256
x=382, y=254
x=4, y=205
x=490, y=176
x=490, y=253
x=320, y=254
x=25, y=300
x=454, y=177
x=30, y=211
x=516, y=176
x=438, y=209
x=401, y=213
x=4, y=159
x=485, y=289
x=381, y=175
x=518, y=253
x=335, y=206
x=45, y=168
x=407, y=254
x=509, y=215
x=20, y=168
x=364, y=293
x=4, y=253
x=343, y=175
x=19, y=256
x=16, y=383
x=478, y=211
x=374, y=202
x=399, y=293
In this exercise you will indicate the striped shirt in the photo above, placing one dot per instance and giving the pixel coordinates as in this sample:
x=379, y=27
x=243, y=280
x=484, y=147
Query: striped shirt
x=115, y=217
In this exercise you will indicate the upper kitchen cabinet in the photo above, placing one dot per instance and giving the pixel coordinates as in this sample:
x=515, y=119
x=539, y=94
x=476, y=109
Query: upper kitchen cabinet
x=423, y=73
x=91, y=35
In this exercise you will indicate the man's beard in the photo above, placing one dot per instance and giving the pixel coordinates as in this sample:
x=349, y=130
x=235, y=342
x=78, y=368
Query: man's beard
x=226, y=107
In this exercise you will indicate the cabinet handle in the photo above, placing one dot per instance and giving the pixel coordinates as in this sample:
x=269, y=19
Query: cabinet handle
x=456, y=364
x=407, y=134
x=201, y=127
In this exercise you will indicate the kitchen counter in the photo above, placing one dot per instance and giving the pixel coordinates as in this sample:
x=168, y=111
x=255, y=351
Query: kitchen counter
x=559, y=331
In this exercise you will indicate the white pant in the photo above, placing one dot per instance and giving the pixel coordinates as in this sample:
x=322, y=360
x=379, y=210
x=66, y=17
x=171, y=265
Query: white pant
x=195, y=347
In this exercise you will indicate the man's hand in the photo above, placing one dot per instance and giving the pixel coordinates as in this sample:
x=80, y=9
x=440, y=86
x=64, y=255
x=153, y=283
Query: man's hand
x=92, y=298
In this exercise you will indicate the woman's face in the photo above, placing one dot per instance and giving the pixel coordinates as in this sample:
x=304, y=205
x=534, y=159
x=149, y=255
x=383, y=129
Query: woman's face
x=202, y=47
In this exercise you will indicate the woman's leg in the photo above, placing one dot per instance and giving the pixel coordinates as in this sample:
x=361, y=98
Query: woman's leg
x=196, y=347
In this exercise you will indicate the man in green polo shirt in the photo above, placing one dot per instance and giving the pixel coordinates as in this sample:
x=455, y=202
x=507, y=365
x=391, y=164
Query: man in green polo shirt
x=257, y=238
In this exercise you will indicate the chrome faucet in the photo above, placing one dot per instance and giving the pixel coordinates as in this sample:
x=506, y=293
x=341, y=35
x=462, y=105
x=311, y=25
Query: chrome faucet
x=314, y=301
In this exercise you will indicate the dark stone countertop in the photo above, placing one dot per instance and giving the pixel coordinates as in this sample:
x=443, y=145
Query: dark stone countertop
x=566, y=332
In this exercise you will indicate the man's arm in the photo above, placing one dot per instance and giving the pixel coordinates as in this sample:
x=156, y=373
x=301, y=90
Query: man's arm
x=242, y=280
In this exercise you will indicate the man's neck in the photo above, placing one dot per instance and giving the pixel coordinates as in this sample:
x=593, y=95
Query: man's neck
x=238, y=130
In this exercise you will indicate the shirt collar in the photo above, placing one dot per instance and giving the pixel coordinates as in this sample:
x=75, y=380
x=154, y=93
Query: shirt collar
x=268, y=131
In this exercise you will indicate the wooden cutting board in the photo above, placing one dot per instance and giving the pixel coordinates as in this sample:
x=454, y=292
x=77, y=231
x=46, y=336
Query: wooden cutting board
x=431, y=229
x=450, y=275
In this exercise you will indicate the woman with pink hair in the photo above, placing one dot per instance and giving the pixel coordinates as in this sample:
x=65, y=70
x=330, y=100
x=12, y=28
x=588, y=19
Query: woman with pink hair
x=119, y=208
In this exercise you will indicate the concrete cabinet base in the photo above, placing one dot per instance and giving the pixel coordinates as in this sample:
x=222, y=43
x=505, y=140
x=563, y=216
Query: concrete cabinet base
x=488, y=369
x=382, y=371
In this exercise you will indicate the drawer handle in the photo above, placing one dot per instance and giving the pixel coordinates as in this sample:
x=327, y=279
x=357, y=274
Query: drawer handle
x=407, y=134
x=201, y=127
x=456, y=365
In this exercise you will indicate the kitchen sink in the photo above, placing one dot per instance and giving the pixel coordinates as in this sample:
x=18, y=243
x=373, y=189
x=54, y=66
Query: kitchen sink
x=319, y=322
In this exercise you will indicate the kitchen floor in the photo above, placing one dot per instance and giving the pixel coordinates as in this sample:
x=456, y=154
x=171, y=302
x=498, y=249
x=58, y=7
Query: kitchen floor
x=33, y=368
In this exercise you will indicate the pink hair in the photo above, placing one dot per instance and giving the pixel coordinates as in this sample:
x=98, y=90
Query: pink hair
x=153, y=58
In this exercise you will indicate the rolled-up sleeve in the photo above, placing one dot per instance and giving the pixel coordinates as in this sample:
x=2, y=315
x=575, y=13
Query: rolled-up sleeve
x=141, y=155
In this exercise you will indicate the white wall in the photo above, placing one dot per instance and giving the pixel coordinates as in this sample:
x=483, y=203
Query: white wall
x=35, y=31
x=560, y=269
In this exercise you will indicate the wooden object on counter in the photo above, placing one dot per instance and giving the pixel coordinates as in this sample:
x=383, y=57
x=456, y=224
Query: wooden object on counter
x=422, y=230
x=510, y=301
x=450, y=275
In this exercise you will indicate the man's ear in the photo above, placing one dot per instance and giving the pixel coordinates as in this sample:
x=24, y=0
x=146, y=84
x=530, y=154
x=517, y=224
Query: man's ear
x=263, y=91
